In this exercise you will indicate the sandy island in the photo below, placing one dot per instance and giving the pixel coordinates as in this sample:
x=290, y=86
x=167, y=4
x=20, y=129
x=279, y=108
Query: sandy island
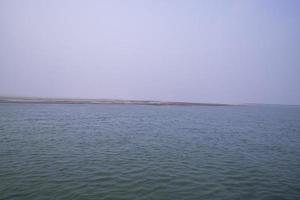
x=99, y=101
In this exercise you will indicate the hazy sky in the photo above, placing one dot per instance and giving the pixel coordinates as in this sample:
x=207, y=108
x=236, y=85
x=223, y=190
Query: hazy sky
x=231, y=51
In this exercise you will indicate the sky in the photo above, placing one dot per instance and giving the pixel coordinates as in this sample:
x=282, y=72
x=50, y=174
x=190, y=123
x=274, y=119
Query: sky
x=233, y=51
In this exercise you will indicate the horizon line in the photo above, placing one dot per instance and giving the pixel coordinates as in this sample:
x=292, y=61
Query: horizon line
x=11, y=98
x=34, y=99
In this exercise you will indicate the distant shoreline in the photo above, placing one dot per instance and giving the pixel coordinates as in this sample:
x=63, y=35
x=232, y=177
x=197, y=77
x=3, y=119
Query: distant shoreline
x=101, y=101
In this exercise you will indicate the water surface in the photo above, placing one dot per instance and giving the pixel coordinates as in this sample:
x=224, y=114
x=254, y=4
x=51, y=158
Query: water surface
x=86, y=151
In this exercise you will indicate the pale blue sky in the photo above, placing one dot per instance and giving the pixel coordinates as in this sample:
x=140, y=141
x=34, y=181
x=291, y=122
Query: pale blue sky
x=234, y=51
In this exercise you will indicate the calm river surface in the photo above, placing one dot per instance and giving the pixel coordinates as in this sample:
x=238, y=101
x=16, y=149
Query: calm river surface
x=86, y=151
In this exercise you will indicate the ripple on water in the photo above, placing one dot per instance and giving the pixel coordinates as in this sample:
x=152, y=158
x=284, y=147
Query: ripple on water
x=148, y=152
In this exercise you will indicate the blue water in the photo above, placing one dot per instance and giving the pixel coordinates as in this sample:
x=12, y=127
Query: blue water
x=82, y=151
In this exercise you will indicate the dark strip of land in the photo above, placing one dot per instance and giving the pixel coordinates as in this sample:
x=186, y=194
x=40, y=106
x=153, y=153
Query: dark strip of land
x=99, y=101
